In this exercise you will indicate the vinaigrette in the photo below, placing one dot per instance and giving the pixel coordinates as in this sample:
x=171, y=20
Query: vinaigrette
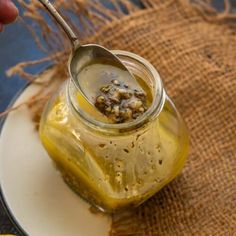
x=115, y=166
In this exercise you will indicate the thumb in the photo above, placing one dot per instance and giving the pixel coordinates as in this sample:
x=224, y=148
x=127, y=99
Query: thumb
x=8, y=11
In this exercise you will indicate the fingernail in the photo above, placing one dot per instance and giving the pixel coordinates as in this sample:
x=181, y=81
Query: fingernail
x=12, y=6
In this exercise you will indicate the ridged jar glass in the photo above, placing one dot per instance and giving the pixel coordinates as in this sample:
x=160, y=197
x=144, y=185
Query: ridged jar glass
x=115, y=166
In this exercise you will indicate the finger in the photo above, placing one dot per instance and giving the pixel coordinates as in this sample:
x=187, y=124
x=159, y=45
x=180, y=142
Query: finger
x=8, y=11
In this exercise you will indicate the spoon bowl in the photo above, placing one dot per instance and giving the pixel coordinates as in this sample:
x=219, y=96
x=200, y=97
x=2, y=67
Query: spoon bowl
x=91, y=65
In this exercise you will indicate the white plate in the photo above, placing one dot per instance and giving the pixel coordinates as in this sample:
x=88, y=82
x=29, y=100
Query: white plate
x=35, y=194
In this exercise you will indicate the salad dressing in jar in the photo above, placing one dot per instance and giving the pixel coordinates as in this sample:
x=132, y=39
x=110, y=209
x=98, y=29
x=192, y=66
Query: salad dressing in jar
x=116, y=165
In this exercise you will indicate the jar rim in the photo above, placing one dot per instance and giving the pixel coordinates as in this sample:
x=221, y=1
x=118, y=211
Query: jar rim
x=153, y=110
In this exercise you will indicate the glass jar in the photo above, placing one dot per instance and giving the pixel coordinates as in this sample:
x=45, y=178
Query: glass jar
x=115, y=166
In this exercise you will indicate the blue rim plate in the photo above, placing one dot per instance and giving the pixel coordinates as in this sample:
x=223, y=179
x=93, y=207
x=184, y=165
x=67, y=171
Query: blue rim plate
x=10, y=215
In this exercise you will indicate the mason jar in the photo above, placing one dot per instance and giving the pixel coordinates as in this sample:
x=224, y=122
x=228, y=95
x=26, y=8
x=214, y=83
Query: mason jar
x=115, y=166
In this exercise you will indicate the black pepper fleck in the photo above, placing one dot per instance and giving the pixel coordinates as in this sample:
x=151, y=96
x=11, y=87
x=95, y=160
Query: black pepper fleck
x=126, y=150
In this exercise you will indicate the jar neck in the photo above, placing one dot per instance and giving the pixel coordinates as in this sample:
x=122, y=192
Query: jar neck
x=138, y=66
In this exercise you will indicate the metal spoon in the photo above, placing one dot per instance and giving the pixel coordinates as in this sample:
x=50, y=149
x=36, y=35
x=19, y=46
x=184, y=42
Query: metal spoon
x=83, y=56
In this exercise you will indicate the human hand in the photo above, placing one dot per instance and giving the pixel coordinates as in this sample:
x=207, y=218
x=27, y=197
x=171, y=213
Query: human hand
x=8, y=12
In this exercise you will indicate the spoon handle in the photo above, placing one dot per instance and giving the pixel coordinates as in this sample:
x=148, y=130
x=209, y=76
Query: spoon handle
x=69, y=32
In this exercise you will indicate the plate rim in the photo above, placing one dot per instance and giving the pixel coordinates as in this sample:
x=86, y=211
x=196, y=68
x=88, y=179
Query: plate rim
x=3, y=200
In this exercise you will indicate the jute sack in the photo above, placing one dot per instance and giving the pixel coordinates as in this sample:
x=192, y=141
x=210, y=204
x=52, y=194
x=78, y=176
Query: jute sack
x=194, y=49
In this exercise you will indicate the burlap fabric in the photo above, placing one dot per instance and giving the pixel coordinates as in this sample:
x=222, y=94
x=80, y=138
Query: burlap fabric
x=194, y=49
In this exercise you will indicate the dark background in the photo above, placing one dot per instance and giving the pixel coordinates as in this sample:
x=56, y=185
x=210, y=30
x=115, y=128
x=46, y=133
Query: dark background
x=16, y=45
